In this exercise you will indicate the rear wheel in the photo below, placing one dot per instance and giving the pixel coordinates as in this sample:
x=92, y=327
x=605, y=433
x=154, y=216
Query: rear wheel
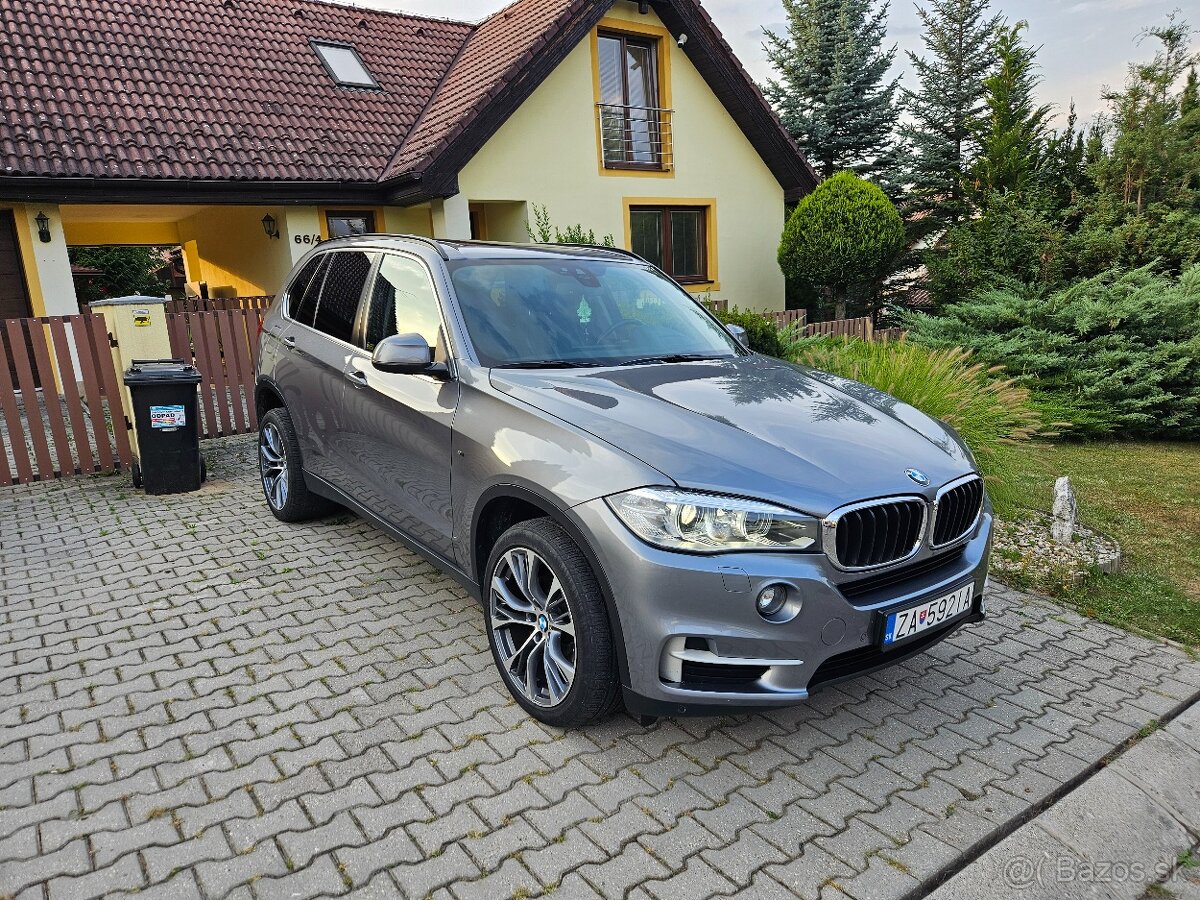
x=283, y=485
x=548, y=626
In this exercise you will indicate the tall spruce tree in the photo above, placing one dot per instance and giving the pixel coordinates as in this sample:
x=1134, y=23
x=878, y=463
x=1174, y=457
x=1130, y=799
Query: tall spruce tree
x=945, y=110
x=1012, y=136
x=831, y=91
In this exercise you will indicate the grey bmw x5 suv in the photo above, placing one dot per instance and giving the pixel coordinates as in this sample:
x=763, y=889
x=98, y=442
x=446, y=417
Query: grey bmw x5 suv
x=647, y=510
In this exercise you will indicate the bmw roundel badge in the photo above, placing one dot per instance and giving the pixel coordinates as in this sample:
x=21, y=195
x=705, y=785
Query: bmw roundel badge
x=918, y=476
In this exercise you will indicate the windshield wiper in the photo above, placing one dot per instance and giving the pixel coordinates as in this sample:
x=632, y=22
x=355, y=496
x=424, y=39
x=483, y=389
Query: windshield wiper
x=548, y=364
x=675, y=358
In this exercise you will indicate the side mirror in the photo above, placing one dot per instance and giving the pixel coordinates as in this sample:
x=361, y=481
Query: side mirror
x=738, y=332
x=404, y=354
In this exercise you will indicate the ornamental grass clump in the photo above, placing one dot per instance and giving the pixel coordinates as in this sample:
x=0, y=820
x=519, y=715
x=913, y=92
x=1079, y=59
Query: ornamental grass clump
x=992, y=413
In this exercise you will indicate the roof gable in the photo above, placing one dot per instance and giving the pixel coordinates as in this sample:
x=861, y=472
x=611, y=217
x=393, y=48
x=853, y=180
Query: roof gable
x=514, y=51
x=497, y=61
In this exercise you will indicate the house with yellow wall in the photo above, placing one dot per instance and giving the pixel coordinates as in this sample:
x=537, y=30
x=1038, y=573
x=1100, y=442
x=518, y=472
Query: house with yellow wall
x=245, y=131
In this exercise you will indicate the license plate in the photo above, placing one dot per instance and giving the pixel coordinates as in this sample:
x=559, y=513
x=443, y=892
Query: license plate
x=906, y=623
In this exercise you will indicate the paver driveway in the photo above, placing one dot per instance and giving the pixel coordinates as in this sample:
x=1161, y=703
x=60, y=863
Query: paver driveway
x=195, y=699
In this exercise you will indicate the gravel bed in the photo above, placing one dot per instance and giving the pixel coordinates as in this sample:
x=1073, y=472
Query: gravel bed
x=1025, y=552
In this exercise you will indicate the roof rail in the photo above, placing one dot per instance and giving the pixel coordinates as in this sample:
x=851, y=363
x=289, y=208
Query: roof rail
x=621, y=250
x=428, y=241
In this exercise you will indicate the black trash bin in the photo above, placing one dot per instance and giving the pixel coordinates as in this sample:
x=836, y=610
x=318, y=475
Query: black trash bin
x=166, y=416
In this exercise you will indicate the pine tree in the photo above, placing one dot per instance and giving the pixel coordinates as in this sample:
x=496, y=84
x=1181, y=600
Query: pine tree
x=831, y=91
x=1012, y=138
x=945, y=109
x=1152, y=157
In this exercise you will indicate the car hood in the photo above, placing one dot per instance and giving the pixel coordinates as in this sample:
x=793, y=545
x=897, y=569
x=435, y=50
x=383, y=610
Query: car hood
x=752, y=426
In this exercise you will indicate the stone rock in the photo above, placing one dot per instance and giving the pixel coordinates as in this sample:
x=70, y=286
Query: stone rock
x=1065, y=511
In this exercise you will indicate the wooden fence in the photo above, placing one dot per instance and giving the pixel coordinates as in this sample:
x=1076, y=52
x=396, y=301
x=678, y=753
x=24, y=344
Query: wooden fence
x=223, y=346
x=60, y=401
x=862, y=327
x=208, y=304
x=850, y=328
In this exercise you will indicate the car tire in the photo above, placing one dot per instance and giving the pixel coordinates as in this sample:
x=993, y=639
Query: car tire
x=538, y=618
x=281, y=473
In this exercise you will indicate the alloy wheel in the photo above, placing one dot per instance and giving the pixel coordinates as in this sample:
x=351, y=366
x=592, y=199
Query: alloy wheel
x=533, y=628
x=272, y=456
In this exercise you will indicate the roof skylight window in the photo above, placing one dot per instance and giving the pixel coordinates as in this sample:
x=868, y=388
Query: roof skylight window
x=344, y=65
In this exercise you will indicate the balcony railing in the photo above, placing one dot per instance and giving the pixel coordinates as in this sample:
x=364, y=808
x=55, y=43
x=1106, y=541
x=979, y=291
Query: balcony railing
x=636, y=137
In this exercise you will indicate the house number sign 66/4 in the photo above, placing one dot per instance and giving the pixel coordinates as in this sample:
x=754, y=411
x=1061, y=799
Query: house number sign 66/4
x=307, y=239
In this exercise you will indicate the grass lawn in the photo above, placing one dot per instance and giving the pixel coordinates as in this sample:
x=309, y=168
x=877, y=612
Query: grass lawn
x=1147, y=496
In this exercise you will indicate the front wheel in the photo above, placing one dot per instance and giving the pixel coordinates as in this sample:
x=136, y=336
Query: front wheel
x=548, y=626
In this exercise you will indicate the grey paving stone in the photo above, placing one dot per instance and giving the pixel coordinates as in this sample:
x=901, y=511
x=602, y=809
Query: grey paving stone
x=321, y=879
x=125, y=874
x=71, y=859
x=220, y=877
x=163, y=862
x=349, y=686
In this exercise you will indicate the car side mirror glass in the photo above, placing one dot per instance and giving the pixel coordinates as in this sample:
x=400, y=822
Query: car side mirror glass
x=738, y=332
x=403, y=354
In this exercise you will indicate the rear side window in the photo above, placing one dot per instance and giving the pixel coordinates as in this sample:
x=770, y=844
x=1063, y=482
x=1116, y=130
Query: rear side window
x=345, y=279
x=403, y=301
x=304, y=290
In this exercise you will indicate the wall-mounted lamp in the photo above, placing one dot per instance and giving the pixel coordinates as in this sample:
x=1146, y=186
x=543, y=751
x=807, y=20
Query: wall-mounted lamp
x=43, y=224
x=270, y=226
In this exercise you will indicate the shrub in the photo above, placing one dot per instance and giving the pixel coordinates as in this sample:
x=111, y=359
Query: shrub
x=761, y=331
x=1115, y=354
x=992, y=413
x=1008, y=243
x=845, y=233
x=544, y=231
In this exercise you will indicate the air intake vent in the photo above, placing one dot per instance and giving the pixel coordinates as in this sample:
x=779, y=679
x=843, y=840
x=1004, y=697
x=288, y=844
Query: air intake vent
x=956, y=511
x=876, y=534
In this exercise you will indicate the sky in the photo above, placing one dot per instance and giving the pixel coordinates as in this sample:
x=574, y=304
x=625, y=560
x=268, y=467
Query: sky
x=1085, y=43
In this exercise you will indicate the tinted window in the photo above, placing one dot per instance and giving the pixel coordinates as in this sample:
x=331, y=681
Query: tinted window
x=303, y=293
x=344, y=283
x=580, y=312
x=402, y=302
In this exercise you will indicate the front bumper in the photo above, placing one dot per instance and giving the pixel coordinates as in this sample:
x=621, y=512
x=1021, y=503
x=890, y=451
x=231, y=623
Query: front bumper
x=694, y=643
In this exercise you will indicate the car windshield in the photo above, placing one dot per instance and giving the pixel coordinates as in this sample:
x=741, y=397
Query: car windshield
x=567, y=313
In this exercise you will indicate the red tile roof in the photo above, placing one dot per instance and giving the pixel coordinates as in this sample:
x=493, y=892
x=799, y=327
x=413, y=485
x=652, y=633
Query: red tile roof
x=141, y=96
x=494, y=56
x=209, y=89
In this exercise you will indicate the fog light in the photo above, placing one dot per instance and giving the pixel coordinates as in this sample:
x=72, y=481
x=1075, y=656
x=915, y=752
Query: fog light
x=771, y=600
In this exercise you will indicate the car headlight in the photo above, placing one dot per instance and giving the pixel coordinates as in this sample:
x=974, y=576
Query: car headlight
x=708, y=523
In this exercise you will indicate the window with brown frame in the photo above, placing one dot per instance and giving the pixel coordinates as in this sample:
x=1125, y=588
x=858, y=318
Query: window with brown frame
x=344, y=223
x=631, y=122
x=674, y=238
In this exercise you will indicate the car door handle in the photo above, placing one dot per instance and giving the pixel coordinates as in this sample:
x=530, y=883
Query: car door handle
x=357, y=377
x=289, y=342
